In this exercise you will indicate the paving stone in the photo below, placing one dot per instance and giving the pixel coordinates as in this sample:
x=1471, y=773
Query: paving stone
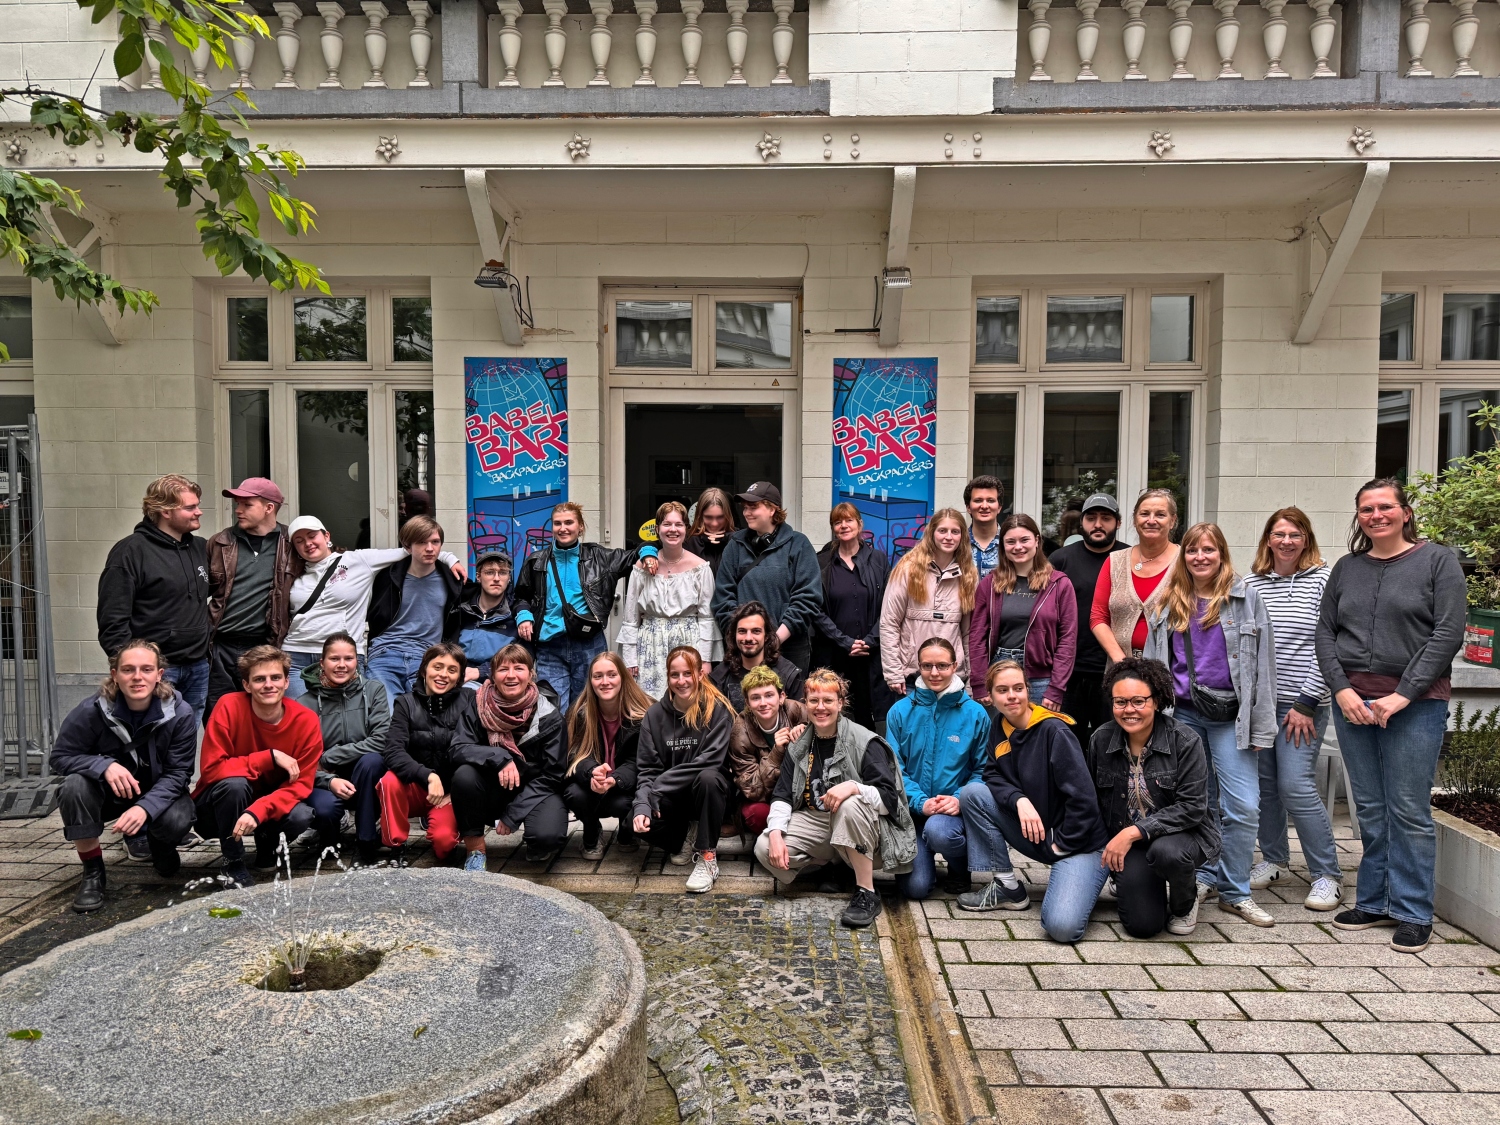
x=1487, y=1035
x=1075, y=1005
x=1299, y=1006
x=1228, y=953
x=1203, y=934
x=1140, y=1035
x=1021, y=952
x=1233, y=1071
x=936, y=908
x=1322, y=979
x=1132, y=953
x=990, y=977
x=1205, y=978
x=1367, y=1072
x=970, y=1004
x=997, y=1068
x=1489, y=1001
x=966, y=929
x=1085, y=1068
x=1455, y=1109
x=1350, y=956
x=1435, y=1007
x=952, y=952
x=1008, y=1035
x=1152, y=1107
x=1028, y=929
x=1318, y=1107
x=1281, y=933
x=1092, y=976
x=1471, y=1073
x=1036, y=1105
x=1267, y=1035
x=1401, y=1038
x=1175, y=1005
x=1459, y=953
x=1468, y=979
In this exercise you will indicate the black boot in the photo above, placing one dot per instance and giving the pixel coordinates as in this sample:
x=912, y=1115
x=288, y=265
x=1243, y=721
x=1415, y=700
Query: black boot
x=164, y=858
x=90, y=896
x=265, y=852
x=369, y=852
x=957, y=881
x=233, y=851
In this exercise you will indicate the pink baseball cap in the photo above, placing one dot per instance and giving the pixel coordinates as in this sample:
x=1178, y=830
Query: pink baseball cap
x=256, y=488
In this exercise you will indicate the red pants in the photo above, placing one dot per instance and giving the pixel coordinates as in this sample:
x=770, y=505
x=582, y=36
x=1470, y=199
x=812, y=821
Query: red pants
x=754, y=817
x=399, y=800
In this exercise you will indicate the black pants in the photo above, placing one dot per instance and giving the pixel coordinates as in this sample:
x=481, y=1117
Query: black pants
x=705, y=800
x=87, y=802
x=223, y=666
x=799, y=651
x=1158, y=876
x=1085, y=703
x=479, y=801
x=590, y=807
x=224, y=802
x=855, y=669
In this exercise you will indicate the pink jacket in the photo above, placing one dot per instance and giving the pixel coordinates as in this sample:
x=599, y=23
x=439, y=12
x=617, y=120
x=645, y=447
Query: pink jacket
x=1051, y=637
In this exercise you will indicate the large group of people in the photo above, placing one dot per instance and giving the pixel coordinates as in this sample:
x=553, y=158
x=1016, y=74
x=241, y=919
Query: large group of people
x=1136, y=718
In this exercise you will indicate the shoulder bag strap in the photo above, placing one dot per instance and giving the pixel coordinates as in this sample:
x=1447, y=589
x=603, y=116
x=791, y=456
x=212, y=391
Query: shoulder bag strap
x=318, y=589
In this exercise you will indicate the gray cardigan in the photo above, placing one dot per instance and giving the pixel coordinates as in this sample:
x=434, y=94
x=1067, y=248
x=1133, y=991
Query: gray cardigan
x=1400, y=617
x=1252, y=662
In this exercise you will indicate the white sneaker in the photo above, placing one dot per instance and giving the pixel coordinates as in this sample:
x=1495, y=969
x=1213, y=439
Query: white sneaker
x=1327, y=892
x=1249, y=911
x=1263, y=874
x=684, y=855
x=1109, y=893
x=705, y=872
x=1206, y=891
x=1184, y=925
x=594, y=853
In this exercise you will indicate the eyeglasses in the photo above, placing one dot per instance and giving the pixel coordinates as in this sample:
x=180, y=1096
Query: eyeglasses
x=935, y=667
x=1134, y=703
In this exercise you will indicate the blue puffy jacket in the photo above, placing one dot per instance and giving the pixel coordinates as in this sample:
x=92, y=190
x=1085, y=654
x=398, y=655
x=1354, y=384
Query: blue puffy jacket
x=942, y=741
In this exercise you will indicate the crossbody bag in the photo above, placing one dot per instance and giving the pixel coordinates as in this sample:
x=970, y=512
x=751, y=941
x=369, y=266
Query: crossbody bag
x=1214, y=704
x=579, y=626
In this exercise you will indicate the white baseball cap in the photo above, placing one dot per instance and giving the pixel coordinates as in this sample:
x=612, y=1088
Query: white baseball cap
x=305, y=523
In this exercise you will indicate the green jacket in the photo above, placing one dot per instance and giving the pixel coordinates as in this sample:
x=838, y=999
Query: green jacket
x=354, y=718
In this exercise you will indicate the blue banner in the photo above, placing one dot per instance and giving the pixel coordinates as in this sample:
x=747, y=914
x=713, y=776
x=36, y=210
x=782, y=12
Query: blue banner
x=516, y=425
x=885, y=446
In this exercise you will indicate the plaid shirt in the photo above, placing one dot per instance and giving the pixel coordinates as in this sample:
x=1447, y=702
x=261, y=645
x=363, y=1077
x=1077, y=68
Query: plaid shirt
x=986, y=559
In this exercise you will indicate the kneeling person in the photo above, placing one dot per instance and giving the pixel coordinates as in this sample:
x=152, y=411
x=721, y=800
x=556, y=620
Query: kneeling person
x=127, y=753
x=604, y=731
x=769, y=724
x=839, y=797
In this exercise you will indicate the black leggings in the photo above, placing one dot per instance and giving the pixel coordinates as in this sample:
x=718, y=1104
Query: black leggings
x=479, y=801
x=1157, y=876
x=705, y=802
x=591, y=807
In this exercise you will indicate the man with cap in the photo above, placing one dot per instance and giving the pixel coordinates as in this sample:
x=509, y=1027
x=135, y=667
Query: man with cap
x=250, y=575
x=483, y=621
x=768, y=562
x=1082, y=561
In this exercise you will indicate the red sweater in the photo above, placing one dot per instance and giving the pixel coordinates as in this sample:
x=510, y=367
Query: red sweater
x=237, y=744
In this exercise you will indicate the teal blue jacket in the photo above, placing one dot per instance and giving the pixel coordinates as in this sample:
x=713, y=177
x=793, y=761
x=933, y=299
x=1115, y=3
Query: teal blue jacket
x=942, y=741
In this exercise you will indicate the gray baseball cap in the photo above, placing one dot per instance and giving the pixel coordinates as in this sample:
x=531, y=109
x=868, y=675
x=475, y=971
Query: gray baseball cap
x=1102, y=500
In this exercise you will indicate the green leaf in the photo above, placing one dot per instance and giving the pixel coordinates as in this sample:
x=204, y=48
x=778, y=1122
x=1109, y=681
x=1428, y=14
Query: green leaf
x=415, y=1034
x=224, y=911
x=25, y=1033
x=129, y=55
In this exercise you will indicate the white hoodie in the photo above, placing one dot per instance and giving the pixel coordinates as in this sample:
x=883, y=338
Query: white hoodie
x=345, y=600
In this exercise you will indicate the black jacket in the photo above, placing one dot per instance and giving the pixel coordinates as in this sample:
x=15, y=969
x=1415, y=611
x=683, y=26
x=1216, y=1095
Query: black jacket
x=161, y=755
x=599, y=572
x=627, y=743
x=543, y=756
x=385, y=598
x=873, y=570
x=781, y=574
x=671, y=753
x=727, y=674
x=710, y=552
x=1176, y=772
x=424, y=736
x=1045, y=764
x=155, y=588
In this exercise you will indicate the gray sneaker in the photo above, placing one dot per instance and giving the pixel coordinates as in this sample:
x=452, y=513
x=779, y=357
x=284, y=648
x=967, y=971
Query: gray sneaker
x=995, y=895
x=705, y=873
x=684, y=855
x=1184, y=924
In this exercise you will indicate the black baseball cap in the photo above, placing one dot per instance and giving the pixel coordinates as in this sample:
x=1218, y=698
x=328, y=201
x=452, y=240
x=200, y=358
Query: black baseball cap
x=762, y=491
x=1102, y=500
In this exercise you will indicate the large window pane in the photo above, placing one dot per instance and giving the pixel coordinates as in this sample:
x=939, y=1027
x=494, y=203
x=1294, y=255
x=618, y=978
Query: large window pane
x=249, y=332
x=1172, y=328
x=249, y=435
x=1169, y=448
x=416, y=445
x=330, y=329
x=333, y=462
x=995, y=442
x=1080, y=451
x=654, y=333
x=411, y=329
x=997, y=330
x=1458, y=436
x=753, y=334
x=1393, y=435
x=1398, y=325
x=1085, y=329
x=1471, y=326
x=15, y=326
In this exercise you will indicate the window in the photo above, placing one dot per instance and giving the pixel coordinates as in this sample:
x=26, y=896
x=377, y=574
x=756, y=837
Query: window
x=1398, y=323
x=330, y=329
x=1080, y=451
x=1393, y=435
x=995, y=442
x=997, y=332
x=1471, y=326
x=411, y=329
x=333, y=462
x=15, y=326
x=654, y=334
x=1169, y=446
x=249, y=330
x=1458, y=436
x=249, y=434
x=1171, y=328
x=753, y=334
x=1085, y=329
x=728, y=334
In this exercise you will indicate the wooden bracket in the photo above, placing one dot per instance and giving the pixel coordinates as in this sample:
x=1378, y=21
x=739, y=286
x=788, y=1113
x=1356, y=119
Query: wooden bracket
x=486, y=202
x=898, y=242
x=1317, y=294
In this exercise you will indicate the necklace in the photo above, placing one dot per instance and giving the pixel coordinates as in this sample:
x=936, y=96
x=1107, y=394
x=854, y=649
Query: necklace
x=1144, y=560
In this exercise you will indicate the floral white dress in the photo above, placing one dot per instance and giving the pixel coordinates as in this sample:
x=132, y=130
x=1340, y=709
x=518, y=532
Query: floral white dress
x=663, y=611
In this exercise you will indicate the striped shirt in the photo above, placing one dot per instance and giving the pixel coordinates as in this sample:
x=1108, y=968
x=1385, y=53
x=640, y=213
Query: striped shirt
x=1292, y=603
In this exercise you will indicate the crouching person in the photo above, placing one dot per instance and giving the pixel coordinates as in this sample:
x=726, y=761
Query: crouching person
x=1151, y=773
x=604, y=731
x=1037, y=796
x=839, y=797
x=355, y=714
x=769, y=724
x=126, y=754
x=510, y=772
x=259, y=758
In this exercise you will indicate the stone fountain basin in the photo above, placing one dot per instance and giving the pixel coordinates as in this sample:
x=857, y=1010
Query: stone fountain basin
x=496, y=1001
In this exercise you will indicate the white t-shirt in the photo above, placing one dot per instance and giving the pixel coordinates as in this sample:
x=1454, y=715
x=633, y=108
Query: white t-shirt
x=345, y=600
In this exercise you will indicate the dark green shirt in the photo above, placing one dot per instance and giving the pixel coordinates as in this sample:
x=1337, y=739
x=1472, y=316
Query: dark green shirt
x=249, y=603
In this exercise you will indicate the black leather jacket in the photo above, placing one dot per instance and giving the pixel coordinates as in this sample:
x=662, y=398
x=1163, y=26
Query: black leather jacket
x=599, y=571
x=1176, y=771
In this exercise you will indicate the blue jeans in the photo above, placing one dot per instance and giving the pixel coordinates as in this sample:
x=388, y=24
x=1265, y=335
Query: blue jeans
x=1288, y=784
x=564, y=663
x=1391, y=770
x=191, y=680
x=1234, y=781
x=1075, y=881
x=395, y=666
x=297, y=687
x=939, y=834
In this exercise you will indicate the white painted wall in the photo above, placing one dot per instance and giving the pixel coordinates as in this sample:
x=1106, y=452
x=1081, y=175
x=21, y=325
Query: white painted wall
x=52, y=44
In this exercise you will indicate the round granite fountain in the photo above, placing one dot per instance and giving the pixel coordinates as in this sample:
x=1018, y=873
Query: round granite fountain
x=431, y=996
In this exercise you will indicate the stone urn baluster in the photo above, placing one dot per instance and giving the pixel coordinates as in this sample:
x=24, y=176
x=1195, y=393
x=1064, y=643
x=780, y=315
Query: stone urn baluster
x=331, y=40
x=555, y=40
x=737, y=40
x=1227, y=37
x=288, y=45
x=421, y=43
x=645, y=41
x=1133, y=39
x=1321, y=33
x=783, y=36
x=375, y=42
x=1465, y=32
x=1039, y=38
x=510, y=41
x=1274, y=37
x=1180, y=39
x=1418, y=24
x=601, y=38
x=1087, y=38
x=692, y=41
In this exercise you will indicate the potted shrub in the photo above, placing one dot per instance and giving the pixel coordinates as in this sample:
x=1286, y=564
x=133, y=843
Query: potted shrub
x=1461, y=507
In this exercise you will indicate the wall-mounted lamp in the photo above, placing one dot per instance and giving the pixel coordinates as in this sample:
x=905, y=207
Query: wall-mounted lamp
x=896, y=277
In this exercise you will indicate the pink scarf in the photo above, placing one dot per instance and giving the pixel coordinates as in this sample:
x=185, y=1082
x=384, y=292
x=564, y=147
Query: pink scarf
x=502, y=720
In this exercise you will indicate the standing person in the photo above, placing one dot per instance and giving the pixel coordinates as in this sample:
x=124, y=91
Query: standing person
x=257, y=764
x=250, y=574
x=1085, y=699
x=941, y=738
x=749, y=642
x=1289, y=576
x=713, y=524
x=154, y=587
x=483, y=622
x=332, y=592
x=683, y=764
x=766, y=561
x=984, y=499
x=1391, y=622
x=563, y=597
x=1025, y=611
x=668, y=608
x=769, y=723
x=1212, y=631
x=1131, y=585
x=930, y=594
x=839, y=798
x=412, y=603
x=126, y=753
x=1152, y=776
x=848, y=627
x=604, y=730
x=354, y=716
x=1037, y=796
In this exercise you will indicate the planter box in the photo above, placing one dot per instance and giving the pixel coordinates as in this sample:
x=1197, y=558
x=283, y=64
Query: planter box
x=1468, y=877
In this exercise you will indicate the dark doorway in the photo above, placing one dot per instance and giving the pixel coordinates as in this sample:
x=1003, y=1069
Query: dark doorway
x=674, y=452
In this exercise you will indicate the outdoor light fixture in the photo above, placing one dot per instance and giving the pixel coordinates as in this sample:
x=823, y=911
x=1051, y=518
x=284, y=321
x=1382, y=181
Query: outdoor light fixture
x=494, y=275
x=896, y=277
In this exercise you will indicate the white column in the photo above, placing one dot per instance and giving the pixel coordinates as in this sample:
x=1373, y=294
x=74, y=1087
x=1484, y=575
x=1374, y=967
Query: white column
x=201, y=55
x=1322, y=32
x=375, y=44
x=510, y=41
x=1087, y=39
x=692, y=41
x=1227, y=37
x=1180, y=38
x=331, y=40
x=600, y=40
x=1038, y=38
x=738, y=41
x=1133, y=39
x=288, y=44
x=421, y=43
x=154, y=34
x=1465, y=32
x=1274, y=37
x=783, y=35
x=242, y=47
x=1418, y=24
x=555, y=40
x=645, y=40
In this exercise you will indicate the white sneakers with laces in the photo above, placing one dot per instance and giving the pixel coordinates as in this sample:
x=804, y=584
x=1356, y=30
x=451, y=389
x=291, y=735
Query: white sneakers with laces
x=1263, y=874
x=705, y=873
x=1326, y=894
x=1249, y=910
x=1184, y=925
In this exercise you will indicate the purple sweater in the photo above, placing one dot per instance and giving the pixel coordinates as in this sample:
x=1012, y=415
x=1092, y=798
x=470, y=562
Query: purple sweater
x=1210, y=657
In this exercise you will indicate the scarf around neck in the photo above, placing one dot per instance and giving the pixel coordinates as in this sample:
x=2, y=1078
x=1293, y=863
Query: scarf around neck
x=502, y=720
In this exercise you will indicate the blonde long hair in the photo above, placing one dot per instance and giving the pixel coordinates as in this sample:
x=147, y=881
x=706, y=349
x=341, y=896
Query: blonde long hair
x=914, y=565
x=585, y=721
x=705, y=695
x=1181, y=598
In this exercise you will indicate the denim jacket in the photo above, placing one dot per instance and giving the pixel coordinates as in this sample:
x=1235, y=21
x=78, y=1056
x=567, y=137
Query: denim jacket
x=1175, y=766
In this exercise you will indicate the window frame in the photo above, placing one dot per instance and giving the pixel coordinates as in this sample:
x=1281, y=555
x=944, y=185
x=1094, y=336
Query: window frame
x=380, y=339
x=24, y=368
x=704, y=298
